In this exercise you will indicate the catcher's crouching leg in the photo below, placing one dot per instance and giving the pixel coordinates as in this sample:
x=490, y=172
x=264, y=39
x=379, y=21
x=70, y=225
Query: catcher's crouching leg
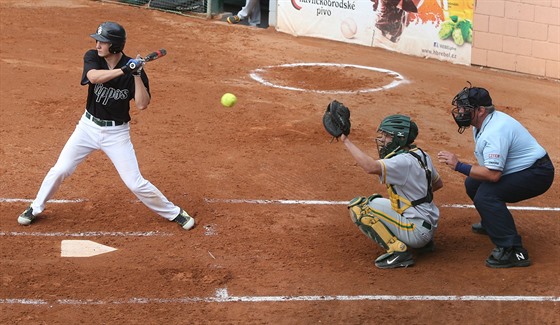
x=369, y=224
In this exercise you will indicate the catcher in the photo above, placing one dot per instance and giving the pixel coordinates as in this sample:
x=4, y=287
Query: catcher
x=409, y=217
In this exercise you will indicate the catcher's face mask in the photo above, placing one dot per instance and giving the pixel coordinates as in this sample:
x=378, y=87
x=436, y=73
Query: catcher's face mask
x=395, y=132
x=386, y=143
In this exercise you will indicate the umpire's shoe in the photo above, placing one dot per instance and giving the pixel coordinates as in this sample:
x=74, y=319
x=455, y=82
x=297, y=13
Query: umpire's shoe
x=26, y=217
x=503, y=257
x=394, y=260
x=186, y=221
x=478, y=229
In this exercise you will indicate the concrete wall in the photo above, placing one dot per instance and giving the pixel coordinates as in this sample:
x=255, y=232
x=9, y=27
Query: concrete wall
x=518, y=35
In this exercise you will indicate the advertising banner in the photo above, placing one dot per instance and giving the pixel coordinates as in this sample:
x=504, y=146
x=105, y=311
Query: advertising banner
x=439, y=29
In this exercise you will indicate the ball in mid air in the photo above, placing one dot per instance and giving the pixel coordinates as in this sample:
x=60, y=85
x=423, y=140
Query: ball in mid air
x=228, y=100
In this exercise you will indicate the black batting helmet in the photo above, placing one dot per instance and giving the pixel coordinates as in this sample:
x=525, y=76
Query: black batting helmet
x=113, y=33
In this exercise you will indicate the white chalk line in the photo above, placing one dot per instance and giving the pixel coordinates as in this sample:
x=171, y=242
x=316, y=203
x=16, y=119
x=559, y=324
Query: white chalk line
x=8, y=200
x=319, y=202
x=255, y=74
x=88, y=234
x=297, y=202
x=222, y=296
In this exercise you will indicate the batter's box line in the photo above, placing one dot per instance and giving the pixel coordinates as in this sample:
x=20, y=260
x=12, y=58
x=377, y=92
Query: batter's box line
x=88, y=234
x=8, y=200
x=297, y=202
x=321, y=202
x=222, y=296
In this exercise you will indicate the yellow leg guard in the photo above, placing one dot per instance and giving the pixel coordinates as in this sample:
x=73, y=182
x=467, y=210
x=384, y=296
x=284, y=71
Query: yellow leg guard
x=369, y=224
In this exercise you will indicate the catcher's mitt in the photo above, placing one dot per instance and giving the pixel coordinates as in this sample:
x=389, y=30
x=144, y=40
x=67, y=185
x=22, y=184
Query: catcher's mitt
x=336, y=119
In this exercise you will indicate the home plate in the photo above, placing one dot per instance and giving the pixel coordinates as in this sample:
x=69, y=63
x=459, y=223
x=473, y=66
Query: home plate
x=83, y=248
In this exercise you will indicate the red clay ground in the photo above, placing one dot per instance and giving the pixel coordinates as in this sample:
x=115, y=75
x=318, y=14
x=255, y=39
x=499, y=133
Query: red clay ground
x=271, y=145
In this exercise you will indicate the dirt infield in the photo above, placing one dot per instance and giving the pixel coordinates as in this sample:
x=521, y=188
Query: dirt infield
x=273, y=243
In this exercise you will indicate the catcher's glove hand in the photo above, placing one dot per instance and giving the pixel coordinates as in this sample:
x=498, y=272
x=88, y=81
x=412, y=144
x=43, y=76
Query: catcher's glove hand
x=336, y=119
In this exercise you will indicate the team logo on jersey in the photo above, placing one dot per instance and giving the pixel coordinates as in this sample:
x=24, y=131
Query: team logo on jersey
x=104, y=94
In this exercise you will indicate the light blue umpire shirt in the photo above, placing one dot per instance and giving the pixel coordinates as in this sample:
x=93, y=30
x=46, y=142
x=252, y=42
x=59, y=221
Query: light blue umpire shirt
x=502, y=143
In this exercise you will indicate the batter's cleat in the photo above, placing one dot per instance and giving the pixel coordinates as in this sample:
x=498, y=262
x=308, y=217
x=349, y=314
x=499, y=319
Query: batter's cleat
x=186, y=221
x=502, y=257
x=478, y=229
x=394, y=260
x=233, y=19
x=26, y=217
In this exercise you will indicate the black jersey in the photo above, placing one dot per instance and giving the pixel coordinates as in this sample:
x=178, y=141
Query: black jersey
x=109, y=100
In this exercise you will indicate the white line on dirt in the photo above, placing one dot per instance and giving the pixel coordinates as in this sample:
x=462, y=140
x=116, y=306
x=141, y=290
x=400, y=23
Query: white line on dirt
x=318, y=202
x=223, y=296
x=398, y=79
x=299, y=202
x=88, y=234
x=8, y=200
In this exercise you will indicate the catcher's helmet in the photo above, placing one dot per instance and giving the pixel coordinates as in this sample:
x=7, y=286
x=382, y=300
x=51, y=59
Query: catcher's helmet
x=465, y=102
x=113, y=33
x=403, y=130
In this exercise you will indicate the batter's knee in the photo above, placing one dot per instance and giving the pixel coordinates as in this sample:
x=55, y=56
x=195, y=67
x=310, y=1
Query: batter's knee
x=61, y=171
x=138, y=185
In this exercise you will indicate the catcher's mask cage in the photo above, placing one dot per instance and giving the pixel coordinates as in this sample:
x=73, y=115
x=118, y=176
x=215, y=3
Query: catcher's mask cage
x=466, y=102
x=113, y=33
x=401, y=128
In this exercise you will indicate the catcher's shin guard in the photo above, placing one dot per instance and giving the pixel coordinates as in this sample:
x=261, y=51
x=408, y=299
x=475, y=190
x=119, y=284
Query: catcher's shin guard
x=369, y=224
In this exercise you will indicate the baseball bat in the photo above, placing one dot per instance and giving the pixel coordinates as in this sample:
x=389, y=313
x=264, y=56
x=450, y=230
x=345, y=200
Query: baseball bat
x=155, y=55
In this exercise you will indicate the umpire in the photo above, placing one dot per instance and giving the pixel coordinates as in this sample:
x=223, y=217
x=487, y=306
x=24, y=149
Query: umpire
x=512, y=167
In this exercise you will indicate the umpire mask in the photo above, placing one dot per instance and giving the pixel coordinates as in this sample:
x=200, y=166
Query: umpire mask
x=466, y=102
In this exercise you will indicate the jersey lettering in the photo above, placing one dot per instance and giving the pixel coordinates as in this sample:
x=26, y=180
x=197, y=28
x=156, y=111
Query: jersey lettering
x=103, y=94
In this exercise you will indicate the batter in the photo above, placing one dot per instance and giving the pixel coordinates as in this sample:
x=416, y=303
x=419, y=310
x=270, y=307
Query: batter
x=113, y=80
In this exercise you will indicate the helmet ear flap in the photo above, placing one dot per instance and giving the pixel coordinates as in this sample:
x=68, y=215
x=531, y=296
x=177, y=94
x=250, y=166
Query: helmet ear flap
x=412, y=133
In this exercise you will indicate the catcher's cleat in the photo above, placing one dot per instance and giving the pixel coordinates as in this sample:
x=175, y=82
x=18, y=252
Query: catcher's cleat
x=502, y=257
x=478, y=229
x=186, y=221
x=26, y=217
x=233, y=19
x=428, y=248
x=394, y=260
